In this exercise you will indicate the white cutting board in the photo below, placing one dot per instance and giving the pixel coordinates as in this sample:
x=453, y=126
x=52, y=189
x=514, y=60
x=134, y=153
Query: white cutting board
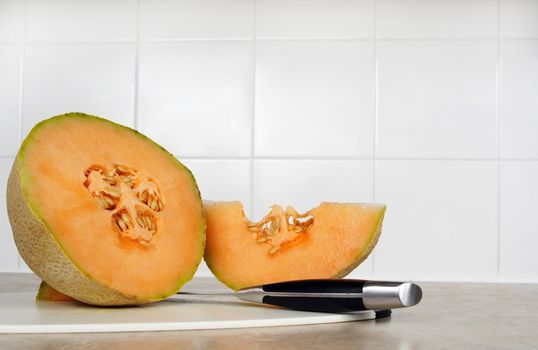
x=19, y=313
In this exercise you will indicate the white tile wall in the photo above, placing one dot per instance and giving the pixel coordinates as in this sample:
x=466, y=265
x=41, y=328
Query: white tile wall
x=67, y=20
x=196, y=98
x=518, y=221
x=201, y=19
x=437, y=99
x=314, y=19
x=11, y=20
x=440, y=221
x=436, y=19
x=519, y=104
x=223, y=179
x=428, y=106
x=306, y=183
x=518, y=19
x=95, y=78
x=10, y=88
x=314, y=98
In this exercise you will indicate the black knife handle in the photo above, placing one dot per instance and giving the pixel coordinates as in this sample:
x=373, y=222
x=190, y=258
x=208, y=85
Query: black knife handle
x=336, y=305
x=339, y=304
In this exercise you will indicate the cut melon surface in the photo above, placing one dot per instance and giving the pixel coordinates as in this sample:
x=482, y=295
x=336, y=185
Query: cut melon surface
x=103, y=214
x=328, y=241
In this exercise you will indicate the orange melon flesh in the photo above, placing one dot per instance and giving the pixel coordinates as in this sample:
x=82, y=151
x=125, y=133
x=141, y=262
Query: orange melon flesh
x=340, y=237
x=50, y=176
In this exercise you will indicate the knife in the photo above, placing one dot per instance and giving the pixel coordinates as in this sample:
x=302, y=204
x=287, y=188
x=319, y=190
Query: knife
x=331, y=295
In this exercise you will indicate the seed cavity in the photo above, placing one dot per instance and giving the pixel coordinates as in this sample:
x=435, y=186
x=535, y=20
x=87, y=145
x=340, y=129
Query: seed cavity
x=133, y=199
x=280, y=227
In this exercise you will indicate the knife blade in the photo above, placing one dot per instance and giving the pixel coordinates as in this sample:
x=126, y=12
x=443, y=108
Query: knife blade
x=330, y=295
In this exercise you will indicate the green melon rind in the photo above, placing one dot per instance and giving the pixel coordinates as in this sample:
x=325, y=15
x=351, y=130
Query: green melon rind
x=362, y=255
x=44, y=254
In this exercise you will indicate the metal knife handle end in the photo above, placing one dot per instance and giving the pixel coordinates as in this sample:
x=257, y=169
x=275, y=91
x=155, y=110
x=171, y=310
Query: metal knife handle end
x=390, y=295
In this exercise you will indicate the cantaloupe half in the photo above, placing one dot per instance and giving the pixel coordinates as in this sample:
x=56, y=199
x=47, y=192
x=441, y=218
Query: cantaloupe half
x=328, y=241
x=102, y=213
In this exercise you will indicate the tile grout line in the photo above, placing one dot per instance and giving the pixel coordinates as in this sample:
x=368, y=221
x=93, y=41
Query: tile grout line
x=21, y=92
x=394, y=39
x=499, y=125
x=136, y=67
x=343, y=159
x=375, y=98
x=203, y=40
x=253, y=106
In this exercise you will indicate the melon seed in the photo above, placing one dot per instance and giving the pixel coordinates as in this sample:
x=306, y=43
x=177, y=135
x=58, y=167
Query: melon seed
x=109, y=201
x=110, y=180
x=121, y=224
x=122, y=169
x=140, y=221
x=114, y=193
x=143, y=196
x=102, y=202
x=125, y=218
x=150, y=223
x=274, y=250
x=147, y=221
x=261, y=239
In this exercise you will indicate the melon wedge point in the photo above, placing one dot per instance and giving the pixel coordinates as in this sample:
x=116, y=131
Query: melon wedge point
x=47, y=293
x=328, y=241
x=103, y=214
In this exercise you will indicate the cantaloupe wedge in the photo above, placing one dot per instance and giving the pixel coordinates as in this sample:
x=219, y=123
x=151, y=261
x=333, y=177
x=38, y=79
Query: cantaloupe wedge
x=328, y=241
x=103, y=214
x=47, y=293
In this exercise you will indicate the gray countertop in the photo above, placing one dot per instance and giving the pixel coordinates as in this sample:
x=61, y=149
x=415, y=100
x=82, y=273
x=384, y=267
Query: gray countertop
x=450, y=316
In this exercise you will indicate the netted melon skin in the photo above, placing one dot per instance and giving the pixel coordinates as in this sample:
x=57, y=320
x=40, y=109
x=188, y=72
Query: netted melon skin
x=42, y=253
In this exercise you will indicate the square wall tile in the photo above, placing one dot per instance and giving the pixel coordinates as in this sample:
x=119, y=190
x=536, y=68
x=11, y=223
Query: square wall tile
x=11, y=20
x=519, y=93
x=58, y=20
x=436, y=19
x=519, y=19
x=318, y=18
x=304, y=184
x=314, y=98
x=222, y=180
x=8, y=250
x=196, y=98
x=518, y=221
x=10, y=73
x=92, y=78
x=437, y=99
x=172, y=19
x=441, y=220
